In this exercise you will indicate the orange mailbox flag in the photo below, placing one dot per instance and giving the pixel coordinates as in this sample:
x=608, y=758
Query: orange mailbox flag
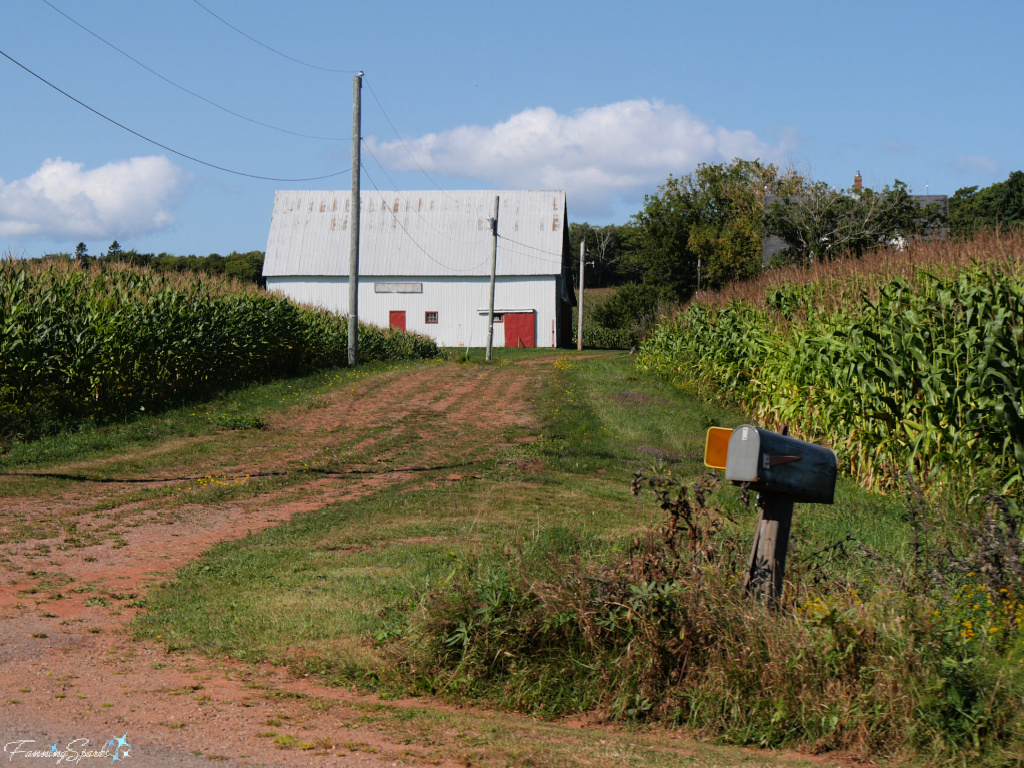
x=716, y=449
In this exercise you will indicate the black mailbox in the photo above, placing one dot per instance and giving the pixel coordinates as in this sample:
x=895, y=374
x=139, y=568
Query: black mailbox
x=773, y=462
x=782, y=470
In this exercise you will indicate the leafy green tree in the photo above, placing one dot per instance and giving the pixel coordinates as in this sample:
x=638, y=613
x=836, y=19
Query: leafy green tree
x=822, y=222
x=82, y=255
x=706, y=227
x=634, y=309
x=246, y=267
x=114, y=251
x=999, y=205
x=214, y=264
x=606, y=247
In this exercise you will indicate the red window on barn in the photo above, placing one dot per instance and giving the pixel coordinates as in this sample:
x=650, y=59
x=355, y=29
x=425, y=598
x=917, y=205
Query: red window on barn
x=396, y=319
x=430, y=318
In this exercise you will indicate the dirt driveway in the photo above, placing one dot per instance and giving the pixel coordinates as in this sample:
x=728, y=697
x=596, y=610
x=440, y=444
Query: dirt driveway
x=63, y=641
x=81, y=544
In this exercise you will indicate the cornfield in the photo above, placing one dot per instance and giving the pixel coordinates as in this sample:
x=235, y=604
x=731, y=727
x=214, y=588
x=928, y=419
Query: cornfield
x=920, y=375
x=79, y=345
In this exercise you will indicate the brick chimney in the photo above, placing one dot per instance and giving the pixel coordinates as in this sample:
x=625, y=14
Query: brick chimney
x=858, y=182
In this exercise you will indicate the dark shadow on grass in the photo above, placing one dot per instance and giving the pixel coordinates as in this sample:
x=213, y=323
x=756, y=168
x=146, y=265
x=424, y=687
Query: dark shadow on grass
x=318, y=472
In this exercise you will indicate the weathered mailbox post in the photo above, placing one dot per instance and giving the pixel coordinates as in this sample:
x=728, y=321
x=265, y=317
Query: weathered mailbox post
x=782, y=470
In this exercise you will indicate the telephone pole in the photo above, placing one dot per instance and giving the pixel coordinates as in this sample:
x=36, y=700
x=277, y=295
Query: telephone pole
x=579, y=320
x=494, y=269
x=353, y=248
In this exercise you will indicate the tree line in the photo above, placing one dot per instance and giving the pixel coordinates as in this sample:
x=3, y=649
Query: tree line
x=246, y=267
x=997, y=206
x=706, y=229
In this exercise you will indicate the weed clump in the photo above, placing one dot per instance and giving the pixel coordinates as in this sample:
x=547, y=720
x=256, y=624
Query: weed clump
x=663, y=631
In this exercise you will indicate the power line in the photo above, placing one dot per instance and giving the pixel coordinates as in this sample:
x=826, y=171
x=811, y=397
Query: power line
x=186, y=90
x=385, y=205
x=157, y=143
x=422, y=217
x=535, y=248
x=444, y=234
x=404, y=145
x=273, y=50
x=439, y=188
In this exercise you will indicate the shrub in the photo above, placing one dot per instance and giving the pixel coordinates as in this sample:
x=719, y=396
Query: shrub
x=620, y=320
x=665, y=632
x=598, y=337
x=633, y=309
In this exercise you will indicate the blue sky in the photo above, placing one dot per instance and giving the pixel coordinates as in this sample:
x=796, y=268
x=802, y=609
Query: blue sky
x=602, y=99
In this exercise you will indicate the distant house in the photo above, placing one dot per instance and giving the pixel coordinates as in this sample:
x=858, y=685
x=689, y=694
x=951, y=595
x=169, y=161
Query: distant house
x=425, y=261
x=772, y=245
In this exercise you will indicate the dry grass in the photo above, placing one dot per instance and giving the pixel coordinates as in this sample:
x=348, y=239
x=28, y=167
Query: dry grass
x=180, y=281
x=846, y=278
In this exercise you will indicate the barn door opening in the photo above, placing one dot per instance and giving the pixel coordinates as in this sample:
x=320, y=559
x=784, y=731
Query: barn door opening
x=396, y=319
x=520, y=329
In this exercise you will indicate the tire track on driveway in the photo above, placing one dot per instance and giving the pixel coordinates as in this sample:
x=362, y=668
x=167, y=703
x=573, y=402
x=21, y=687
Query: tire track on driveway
x=68, y=668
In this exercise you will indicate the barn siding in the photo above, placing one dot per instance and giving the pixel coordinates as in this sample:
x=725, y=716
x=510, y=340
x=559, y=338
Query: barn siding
x=457, y=300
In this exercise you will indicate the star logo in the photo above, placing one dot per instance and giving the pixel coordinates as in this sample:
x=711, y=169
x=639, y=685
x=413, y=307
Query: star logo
x=117, y=745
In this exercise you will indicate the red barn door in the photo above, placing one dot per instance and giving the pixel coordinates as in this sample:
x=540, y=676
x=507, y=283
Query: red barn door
x=520, y=329
x=396, y=319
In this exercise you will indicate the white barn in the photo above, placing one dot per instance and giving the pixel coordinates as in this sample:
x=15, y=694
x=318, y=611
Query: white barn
x=425, y=261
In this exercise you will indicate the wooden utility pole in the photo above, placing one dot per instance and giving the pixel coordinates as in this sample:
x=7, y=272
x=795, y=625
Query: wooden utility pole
x=494, y=269
x=353, y=248
x=579, y=319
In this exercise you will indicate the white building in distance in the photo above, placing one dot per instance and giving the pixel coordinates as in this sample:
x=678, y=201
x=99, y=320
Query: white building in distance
x=425, y=262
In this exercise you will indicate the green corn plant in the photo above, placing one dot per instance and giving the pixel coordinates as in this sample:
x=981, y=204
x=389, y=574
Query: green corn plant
x=104, y=343
x=924, y=377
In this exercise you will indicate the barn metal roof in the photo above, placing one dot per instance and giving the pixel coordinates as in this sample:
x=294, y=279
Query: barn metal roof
x=417, y=233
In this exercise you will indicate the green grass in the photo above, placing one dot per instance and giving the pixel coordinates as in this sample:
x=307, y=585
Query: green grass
x=224, y=413
x=311, y=592
x=357, y=592
x=170, y=465
x=356, y=562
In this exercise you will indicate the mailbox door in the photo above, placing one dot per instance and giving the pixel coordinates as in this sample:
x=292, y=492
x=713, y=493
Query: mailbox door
x=741, y=465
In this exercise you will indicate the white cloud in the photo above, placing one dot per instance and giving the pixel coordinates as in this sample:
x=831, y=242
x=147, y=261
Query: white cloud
x=597, y=154
x=63, y=201
x=976, y=164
